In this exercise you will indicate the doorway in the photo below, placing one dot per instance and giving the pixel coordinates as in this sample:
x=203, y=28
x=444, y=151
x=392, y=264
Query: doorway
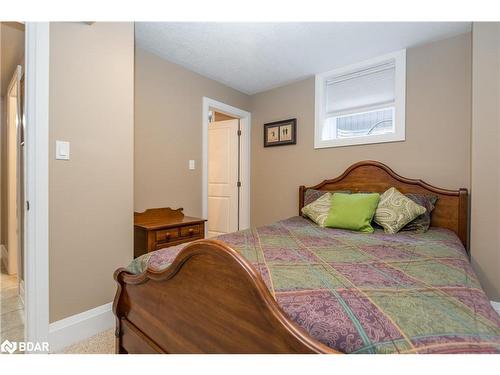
x=28, y=45
x=226, y=168
x=12, y=287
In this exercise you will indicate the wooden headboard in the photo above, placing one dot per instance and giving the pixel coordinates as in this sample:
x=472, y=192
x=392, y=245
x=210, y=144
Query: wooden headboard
x=451, y=209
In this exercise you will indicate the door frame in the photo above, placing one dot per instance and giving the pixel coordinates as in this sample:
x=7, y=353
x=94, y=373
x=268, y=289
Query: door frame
x=36, y=260
x=12, y=196
x=245, y=161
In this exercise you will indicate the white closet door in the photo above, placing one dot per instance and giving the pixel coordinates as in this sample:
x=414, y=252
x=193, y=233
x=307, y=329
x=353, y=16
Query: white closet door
x=222, y=177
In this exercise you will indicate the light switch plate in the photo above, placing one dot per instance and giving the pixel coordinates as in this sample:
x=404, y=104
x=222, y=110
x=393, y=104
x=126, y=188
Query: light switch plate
x=191, y=164
x=62, y=150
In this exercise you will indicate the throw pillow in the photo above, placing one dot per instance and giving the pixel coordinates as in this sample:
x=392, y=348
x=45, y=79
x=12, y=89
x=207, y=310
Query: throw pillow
x=317, y=210
x=352, y=211
x=395, y=210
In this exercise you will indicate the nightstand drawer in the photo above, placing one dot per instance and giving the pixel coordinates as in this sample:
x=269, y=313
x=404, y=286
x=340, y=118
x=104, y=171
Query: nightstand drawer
x=190, y=231
x=158, y=228
x=167, y=235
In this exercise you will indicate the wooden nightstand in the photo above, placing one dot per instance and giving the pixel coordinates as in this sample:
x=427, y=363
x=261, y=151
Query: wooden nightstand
x=158, y=228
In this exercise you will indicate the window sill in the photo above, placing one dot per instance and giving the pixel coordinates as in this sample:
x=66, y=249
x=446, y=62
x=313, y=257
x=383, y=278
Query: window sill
x=360, y=141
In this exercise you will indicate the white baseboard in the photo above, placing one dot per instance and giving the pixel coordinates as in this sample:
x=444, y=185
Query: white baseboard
x=5, y=256
x=496, y=306
x=69, y=331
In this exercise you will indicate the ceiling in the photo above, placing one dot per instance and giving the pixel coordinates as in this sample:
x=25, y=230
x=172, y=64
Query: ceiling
x=254, y=57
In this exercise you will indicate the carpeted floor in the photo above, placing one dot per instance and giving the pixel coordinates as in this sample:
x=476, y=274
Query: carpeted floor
x=102, y=343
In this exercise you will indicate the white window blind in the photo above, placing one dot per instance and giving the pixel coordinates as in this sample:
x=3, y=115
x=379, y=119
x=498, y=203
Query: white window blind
x=362, y=89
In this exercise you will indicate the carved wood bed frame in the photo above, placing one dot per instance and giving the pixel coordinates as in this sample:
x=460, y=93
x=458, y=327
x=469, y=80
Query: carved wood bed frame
x=211, y=300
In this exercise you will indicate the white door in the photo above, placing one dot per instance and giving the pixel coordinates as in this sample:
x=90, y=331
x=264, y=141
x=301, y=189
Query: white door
x=223, y=177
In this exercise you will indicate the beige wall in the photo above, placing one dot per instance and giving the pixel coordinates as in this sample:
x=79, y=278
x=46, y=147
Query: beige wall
x=168, y=133
x=485, y=236
x=91, y=195
x=12, y=45
x=11, y=55
x=437, y=146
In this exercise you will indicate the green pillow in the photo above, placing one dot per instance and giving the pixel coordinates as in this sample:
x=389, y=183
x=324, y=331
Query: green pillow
x=352, y=211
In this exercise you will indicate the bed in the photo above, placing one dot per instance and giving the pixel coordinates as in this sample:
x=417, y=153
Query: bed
x=293, y=287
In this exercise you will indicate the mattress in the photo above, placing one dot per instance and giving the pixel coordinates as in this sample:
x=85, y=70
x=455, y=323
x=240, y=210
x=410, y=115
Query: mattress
x=367, y=293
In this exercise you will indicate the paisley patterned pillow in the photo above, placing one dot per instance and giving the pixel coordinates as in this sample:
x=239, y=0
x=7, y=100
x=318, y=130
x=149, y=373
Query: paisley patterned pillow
x=395, y=210
x=312, y=194
x=422, y=223
x=318, y=210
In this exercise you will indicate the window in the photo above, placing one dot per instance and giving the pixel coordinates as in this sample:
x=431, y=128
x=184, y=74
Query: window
x=363, y=103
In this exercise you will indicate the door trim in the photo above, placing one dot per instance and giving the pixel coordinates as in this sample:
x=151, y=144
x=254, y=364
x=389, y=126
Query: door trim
x=36, y=260
x=245, y=126
x=13, y=166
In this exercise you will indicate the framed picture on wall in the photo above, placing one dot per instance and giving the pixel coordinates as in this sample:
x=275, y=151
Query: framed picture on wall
x=280, y=133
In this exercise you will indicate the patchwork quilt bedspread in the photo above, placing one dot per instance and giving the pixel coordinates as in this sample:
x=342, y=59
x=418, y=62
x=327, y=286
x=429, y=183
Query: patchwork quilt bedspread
x=367, y=293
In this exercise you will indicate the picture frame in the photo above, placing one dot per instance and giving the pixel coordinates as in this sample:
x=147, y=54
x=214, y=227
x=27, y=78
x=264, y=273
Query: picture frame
x=280, y=133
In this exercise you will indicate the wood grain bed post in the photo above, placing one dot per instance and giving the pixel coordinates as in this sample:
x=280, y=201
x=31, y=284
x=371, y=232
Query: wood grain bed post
x=463, y=223
x=117, y=310
x=302, y=190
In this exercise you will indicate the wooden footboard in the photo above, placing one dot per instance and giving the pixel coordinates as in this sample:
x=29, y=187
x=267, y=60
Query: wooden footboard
x=209, y=300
